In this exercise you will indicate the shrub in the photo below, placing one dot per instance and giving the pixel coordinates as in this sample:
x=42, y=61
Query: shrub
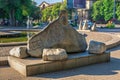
x=110, y=25
x=36, y=23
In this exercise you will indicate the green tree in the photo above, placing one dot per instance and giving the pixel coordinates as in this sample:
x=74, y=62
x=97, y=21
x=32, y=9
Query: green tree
x=9, y=6
x=64, y=5
x=17, y=9
x=56, y=10
x=97, y=12
x=34, y=12
x=51, y=13
x=45, y=15
x=3, y=14
x=108, y=6
x=103, y=10
x=118, y=10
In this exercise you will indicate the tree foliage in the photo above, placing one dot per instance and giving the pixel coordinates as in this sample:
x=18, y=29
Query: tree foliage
x=97, y=10
x=3, y=14
x=103, y=10
x=50, y=13
x=18, y=9
x=118, y=11
x=64, y=5
x=108, y=6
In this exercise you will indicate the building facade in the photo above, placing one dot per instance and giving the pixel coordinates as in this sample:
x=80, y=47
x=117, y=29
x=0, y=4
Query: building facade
x=82, y=7
x=43, y=5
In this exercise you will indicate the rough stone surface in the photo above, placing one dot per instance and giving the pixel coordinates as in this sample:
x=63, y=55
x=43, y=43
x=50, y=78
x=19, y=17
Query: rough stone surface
x=54, y=54
x=20, y=52
x=58, y=34
x=96, y=47
x=85, y=26
x=93, y=28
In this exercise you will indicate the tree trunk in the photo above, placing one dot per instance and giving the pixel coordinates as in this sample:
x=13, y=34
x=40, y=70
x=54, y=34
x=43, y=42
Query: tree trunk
x=12, y=17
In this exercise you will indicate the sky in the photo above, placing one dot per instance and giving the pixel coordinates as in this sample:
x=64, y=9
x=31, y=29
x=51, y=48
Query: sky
x=49, y=1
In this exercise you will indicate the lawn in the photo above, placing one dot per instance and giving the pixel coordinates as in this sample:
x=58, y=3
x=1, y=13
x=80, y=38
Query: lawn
x=16, y=38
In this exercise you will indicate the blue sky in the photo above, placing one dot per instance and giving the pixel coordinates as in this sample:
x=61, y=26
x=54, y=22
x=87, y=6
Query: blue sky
x=49, y=1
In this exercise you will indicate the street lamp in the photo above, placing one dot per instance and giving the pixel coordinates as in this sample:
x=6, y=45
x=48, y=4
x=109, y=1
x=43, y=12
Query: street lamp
x=114, y=9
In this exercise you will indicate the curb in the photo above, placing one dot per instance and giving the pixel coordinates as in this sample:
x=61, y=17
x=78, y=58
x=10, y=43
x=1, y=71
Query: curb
x=35, y=30
x=114, y=42
x=13, y=44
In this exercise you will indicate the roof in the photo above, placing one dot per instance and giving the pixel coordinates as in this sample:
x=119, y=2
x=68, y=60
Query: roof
x=44, y=2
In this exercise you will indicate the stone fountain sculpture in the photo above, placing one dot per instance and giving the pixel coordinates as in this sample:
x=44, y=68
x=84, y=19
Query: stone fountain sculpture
x=94, y=28
x=52, y=44
x=80, y=25
x=58, y=34
x=85, y=26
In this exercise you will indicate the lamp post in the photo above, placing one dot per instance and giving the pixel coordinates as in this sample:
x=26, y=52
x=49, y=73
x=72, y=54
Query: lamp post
x=114, y=9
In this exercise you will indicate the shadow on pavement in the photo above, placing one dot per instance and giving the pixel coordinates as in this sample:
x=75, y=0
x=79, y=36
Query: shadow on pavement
x=95, y=69
x=115, y=48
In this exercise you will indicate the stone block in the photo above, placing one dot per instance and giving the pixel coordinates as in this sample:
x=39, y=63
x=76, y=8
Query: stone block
x=54, y=54
x=96, y=47
x=20, y=52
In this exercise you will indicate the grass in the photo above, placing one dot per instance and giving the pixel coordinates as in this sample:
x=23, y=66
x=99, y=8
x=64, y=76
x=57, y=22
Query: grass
x=16, y=38
x=22, y=37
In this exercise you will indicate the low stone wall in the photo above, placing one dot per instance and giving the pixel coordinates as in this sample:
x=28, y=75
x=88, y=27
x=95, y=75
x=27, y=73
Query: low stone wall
x=13, y=44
